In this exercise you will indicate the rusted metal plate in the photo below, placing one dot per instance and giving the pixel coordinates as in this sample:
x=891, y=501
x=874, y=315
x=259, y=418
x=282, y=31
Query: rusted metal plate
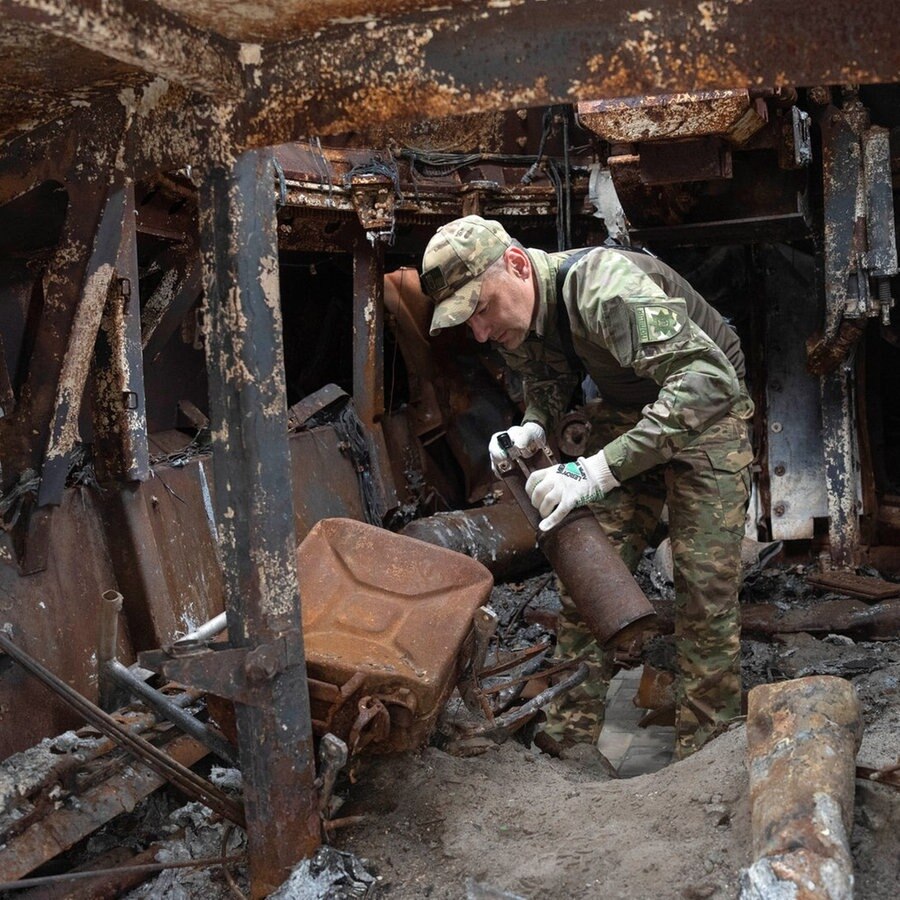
x=323, y=479
x=393, y=609
x=680, y=161
x=55, y=612
x=665, y=117
x=163, y=546
x=862, y=586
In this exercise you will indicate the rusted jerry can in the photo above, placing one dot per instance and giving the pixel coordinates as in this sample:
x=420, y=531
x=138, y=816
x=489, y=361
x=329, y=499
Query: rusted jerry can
x=387, y=630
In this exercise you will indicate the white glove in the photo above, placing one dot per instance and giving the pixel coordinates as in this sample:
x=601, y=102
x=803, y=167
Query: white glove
x=528, y=437
x=557, y=490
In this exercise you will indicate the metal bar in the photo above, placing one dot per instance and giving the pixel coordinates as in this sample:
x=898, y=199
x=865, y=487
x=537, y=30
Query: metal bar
x=842, y=174
x=161, y=705
x=25, y=433
x=120, y=423
x=254, y=512
x=178, y=291
x=90, y=297
x=45, y=880
x=182, y=777
x=209, y=629
x=368, y=356
x=107, y=651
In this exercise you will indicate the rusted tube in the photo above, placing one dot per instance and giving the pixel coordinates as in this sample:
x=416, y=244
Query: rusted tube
x=601, y=586
x=110, y=607
x=802, y=739
x=498, y=536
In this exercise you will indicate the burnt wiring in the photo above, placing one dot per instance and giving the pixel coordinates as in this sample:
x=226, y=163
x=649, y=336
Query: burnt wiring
x=377, y=166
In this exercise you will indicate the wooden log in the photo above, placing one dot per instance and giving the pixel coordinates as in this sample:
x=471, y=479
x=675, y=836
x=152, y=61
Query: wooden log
x=802, y=739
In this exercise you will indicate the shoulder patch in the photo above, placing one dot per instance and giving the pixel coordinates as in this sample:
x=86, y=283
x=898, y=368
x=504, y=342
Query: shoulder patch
x=658, y=323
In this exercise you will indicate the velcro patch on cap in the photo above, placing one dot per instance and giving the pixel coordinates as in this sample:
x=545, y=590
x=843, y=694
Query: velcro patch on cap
x=658, y=323
x=433, y=281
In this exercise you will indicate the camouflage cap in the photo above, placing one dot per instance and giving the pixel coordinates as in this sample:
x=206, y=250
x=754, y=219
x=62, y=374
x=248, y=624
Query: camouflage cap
x=454, y=263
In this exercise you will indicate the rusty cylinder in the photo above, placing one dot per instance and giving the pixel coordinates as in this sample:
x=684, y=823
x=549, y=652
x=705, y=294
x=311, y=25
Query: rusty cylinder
x=497, y=536
x=601, y=586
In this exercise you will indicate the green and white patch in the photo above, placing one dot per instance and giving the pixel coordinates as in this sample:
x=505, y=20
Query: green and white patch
x=658, y=323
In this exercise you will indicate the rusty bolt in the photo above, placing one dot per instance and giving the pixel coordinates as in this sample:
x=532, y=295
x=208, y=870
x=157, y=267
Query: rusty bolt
x=779, y=510
x=779, y=470
x=260, y=665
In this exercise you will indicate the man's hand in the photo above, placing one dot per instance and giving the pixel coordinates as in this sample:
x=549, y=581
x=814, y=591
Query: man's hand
x=556, y=491
x=528, y=438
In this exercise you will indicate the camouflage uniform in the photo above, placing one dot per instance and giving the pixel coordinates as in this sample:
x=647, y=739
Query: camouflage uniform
x=672, y=423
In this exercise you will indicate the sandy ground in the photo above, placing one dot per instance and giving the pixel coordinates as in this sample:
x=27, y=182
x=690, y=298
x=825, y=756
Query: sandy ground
x=513, y=822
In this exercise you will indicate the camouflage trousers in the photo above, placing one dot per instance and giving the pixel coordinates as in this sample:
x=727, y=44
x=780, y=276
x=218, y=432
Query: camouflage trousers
x=706, y=486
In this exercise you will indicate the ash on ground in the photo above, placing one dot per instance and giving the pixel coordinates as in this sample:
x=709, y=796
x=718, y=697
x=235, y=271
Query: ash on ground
x=513, y=822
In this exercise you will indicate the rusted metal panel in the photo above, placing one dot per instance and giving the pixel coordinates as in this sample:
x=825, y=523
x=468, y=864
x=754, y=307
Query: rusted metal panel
x=255, y=522
x=681, y=161
x=323, y=478
x=459, y=59
x=163, y=547
x=323, y=73
x=56, y=612
x=393, y=609
x=199, y=59
x=794, y=415
x=629, y=120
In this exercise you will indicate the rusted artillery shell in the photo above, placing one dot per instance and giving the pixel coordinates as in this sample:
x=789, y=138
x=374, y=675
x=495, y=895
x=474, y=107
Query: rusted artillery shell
x=802, y=738
x=600, y=584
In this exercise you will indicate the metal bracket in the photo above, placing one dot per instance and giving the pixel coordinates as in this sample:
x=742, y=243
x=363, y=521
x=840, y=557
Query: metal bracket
x=374, y=200
x=219, y=668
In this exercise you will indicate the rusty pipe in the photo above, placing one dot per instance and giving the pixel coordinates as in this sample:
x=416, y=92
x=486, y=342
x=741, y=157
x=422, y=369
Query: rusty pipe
x=498, y=536
x=107, y=689
x=151, y=756
x=601, y=586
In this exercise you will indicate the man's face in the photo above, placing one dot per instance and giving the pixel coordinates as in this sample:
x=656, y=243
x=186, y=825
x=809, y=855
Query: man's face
x=506, y=304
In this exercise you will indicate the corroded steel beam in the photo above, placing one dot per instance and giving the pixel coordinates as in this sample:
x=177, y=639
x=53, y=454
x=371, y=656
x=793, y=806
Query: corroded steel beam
x=482, y=56
x=142, y=34
x=254, y=512
x=118, y=407
x=462, y=59
x=843, y=277
x=368, y=358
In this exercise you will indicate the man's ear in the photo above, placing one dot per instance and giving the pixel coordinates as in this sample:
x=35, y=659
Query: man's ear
x=517, y=262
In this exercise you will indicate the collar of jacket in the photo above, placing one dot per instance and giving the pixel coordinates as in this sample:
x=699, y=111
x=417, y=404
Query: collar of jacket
x=545, y=267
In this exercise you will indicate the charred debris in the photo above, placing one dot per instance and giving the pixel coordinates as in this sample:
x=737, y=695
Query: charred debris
x=218, y=395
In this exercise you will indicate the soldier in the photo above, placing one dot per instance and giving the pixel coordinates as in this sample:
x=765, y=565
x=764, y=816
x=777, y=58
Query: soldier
x=670, y=427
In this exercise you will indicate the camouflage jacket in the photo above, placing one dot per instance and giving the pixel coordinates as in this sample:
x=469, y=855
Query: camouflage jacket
x=646, y=338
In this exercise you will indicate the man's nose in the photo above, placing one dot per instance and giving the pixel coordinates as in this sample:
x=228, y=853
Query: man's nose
x=479, y=330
